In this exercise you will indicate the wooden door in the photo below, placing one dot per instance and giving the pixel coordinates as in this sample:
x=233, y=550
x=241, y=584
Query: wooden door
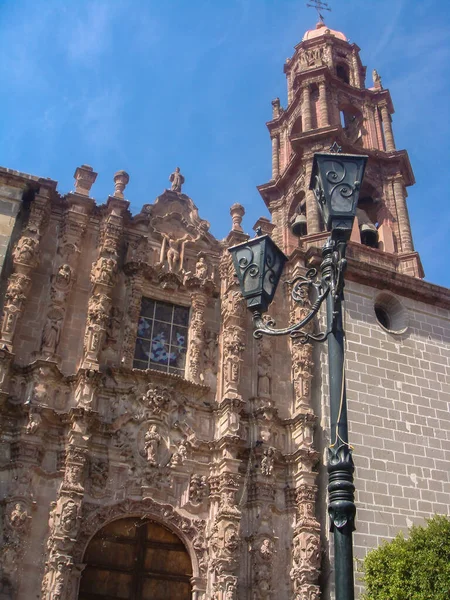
x=133, y=559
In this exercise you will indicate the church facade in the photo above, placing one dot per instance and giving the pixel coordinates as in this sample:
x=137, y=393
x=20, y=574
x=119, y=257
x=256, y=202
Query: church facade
x=150, y=446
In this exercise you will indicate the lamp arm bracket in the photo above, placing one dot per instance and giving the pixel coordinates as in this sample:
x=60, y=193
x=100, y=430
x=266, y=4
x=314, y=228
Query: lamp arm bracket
x=267, y=327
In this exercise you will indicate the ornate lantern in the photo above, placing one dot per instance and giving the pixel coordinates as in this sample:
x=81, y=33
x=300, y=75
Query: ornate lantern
x=258, y=264
x=336, y=179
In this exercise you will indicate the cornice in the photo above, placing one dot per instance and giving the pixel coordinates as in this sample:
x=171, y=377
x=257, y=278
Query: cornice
x=381, y=278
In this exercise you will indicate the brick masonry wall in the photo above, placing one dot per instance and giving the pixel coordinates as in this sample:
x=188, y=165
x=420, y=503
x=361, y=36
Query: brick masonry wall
x=398, y=390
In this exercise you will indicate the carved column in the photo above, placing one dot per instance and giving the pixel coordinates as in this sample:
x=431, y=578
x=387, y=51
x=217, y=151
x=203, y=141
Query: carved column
x=25, y=259
x=402, y=212
x=196, y=337
x=306, y=108
x=103, y=276
x=262, y=541
x=302, y=359
x=276, y=156
x=306, y=555
x=312, y=210
x=17, y=517
x=225, y=543
x=324, y=118
x=387, y=126
x=65, y=518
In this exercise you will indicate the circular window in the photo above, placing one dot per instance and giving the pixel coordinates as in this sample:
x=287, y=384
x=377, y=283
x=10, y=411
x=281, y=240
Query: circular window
x=390, y=313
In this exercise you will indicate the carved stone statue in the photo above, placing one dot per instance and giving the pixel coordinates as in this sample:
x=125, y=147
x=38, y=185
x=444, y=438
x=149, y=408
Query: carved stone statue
x=175, y=251
x=51, y=332
x=201, y=268
x=69, y=515
x=19, y=517
x=25, y=250
x=177, y=180
x=63, y=275
x=180, y=455
x=152, y=441
x=267, y=462
x=376, y=79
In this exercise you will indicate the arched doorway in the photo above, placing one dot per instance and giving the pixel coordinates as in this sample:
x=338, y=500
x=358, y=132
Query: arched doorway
x=136, y=559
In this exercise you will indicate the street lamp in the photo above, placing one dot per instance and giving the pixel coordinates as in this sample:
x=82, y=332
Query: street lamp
x=336, y=179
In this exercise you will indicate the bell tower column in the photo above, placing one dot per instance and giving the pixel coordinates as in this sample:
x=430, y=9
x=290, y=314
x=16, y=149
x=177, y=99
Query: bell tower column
x=306, y=108
x=324, y=119
x=402, y=212
x=387, y=126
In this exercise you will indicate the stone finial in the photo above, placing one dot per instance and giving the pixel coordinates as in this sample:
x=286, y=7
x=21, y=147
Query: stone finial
x=121, y=179
x=84, y=179
x=275, y=108
x=377, y=84
x=237, y=211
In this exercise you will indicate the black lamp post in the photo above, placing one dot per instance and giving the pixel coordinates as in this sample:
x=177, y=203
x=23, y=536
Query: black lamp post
x=335, y=180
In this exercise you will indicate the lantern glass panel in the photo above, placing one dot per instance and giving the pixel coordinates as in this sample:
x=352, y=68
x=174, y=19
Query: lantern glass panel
x=258, y=264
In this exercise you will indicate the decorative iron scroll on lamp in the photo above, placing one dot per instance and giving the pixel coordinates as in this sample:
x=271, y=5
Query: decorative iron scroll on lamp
x=336, y=180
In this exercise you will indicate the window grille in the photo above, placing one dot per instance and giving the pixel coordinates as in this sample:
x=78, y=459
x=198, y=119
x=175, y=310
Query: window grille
x=162, y=337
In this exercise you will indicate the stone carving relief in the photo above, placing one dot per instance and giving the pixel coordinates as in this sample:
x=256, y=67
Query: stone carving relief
x=17, y=516
x=151, y=446
x=306, y=553
x=267, y=462
x=198, y=488
x=311, y=58
x=263, y=551
x=233, y=349
x=264, y=388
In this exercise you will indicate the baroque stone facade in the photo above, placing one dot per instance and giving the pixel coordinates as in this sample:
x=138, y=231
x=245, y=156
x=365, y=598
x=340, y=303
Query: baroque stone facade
x=131, y=386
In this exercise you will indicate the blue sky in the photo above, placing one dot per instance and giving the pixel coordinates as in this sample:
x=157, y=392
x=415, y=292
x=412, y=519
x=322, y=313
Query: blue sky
x=146, y=85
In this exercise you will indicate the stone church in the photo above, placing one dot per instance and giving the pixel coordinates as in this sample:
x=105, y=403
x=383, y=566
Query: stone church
x=150, y=446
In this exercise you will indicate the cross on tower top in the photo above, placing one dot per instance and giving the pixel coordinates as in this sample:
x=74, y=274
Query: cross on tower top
x=319, y=5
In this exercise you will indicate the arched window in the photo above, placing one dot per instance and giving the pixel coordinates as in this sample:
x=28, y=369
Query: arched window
x=136, y=559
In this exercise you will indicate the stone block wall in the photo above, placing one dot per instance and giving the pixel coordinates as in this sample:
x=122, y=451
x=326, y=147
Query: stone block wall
x=398, y=391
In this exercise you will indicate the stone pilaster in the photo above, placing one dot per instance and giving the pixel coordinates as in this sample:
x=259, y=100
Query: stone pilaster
x=103, y=277
x=378, y=129
x=73, y=229
x=196, y=337
x=25, y=260
x=65, y=517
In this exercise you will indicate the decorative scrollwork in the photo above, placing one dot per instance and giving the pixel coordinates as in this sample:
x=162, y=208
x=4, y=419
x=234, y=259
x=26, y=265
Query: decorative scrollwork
x=301, y=286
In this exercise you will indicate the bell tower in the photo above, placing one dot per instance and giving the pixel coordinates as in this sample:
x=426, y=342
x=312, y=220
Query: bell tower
x=328, y=102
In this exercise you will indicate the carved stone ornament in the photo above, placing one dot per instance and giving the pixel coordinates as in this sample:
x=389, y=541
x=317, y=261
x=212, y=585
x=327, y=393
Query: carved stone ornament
x=198, y=488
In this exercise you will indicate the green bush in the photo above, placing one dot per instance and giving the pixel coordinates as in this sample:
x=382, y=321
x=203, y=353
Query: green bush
x=416, y=568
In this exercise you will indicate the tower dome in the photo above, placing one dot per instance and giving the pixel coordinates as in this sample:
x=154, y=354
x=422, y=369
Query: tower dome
x=320, y=30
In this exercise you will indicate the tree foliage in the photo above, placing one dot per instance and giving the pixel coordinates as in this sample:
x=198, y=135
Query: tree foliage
x=413, y=568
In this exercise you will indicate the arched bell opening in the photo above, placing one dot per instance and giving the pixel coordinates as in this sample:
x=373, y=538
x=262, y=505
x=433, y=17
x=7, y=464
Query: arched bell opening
x=367, y=216
x=297, y=127
x=136, y=559
x=343, y=72
x=297, y=220
x=352, y=123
